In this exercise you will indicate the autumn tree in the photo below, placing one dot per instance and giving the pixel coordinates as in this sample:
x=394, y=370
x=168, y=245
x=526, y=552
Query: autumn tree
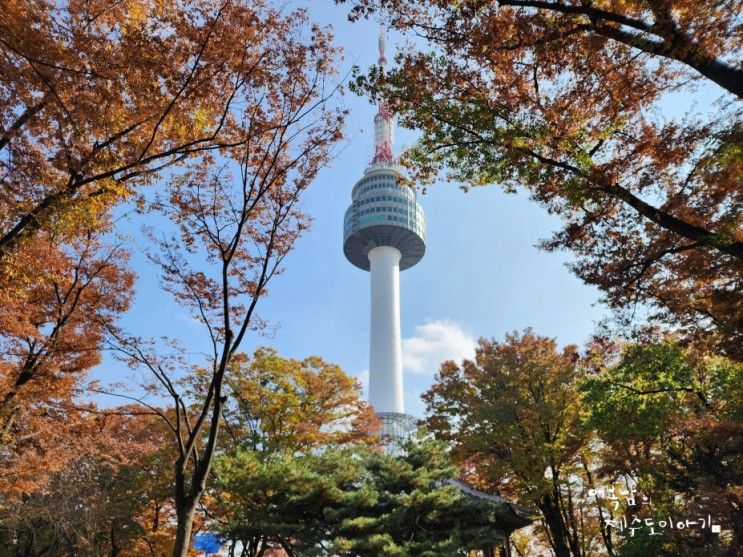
x=92, y=502
x=97, y=97
x=236, y=217
x=69, y=290
x=284, y=406
x=512, y=418
x=294, y=429
x=86, y=507
x=671, y=419
x=406, y=505
x=572, y=101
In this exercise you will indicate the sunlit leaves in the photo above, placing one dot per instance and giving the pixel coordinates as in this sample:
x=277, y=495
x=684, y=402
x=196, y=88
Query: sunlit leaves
x=671, y=419
x=286, y=406
x=99, y=97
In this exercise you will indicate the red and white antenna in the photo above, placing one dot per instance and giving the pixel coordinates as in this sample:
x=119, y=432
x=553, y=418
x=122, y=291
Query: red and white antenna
x=382, y=44
x=383, y=132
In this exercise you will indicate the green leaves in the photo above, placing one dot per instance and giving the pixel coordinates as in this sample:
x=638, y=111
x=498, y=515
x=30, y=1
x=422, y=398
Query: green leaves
x=353, y=501
x=655, y=386
x=670, y=418
x=641, y=395
x=414, y=511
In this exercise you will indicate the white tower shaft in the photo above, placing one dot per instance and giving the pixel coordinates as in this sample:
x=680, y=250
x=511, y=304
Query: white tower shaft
x=385, y=358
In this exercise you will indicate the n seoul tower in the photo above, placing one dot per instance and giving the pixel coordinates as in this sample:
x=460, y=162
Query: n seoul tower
x=384, y=233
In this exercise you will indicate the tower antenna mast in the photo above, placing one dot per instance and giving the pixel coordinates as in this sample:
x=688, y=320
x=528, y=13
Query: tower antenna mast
x=383, y=127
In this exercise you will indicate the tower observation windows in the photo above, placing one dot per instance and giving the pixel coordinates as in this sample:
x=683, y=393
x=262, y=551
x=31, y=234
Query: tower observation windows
x=383, y=212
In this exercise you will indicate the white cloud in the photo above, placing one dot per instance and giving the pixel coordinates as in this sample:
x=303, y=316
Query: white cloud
x=185, y=317
x=434, y=342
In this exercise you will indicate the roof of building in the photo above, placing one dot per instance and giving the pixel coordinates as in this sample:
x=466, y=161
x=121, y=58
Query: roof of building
x=513, y=514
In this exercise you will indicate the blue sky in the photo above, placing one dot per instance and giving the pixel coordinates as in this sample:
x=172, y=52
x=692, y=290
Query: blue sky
x=481, y=276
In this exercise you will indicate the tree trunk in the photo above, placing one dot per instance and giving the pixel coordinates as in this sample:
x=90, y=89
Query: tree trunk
x=506, y=549
x=735, y=549
x=556, y=526
x=115, y=550
x=185, y=512
x=29, y=543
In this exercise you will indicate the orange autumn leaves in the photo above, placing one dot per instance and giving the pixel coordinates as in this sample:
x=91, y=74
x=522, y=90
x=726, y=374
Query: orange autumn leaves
x=57, y=308
x=100, y=96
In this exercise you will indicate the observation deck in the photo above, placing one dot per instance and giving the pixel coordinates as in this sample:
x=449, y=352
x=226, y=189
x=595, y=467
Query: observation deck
x=383, y=212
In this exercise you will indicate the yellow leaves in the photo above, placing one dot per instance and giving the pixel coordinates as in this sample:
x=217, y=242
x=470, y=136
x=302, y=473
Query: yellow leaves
x=136, y=12
x=201, y=120
x=300, y=404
